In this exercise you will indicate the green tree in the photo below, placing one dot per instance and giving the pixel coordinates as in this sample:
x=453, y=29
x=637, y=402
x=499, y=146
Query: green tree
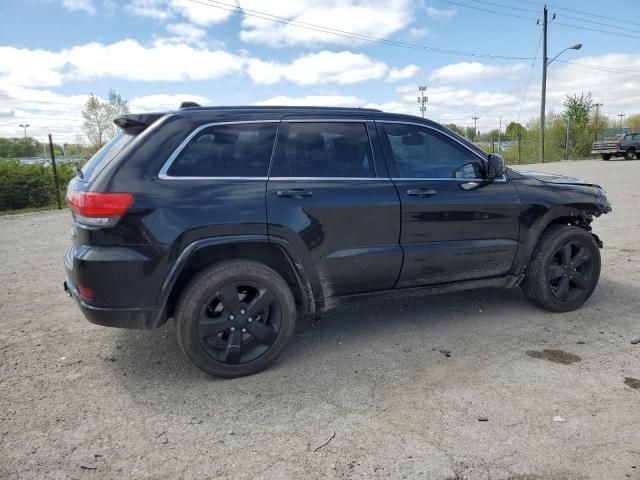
x=455, y=128
x=98, y=117
x=578, y=109
x=513, y=130
x=471, y=133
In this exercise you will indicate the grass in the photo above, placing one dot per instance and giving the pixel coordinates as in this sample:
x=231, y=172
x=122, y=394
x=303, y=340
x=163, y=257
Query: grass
x=43, y=208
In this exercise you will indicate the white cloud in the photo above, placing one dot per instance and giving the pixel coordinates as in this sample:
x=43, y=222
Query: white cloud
x=319, y=68
x=441, y=13
x=126, y=59
x=473, y=71
x=156, y=9
x=378, y=18
x=187, y=32
x=164, y=102
x=79, y=5
x=315, y=100
x=200, y=13
x=396, y=74
x=21, y=66
x=419, y=32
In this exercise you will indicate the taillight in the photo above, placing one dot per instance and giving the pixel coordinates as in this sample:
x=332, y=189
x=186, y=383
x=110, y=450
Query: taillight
x=98, y=209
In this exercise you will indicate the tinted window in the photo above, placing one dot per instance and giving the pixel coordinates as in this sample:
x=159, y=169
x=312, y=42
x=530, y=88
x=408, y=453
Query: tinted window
x=105, y=155
x=420, y=152
x=239, y=150
x=330, y=149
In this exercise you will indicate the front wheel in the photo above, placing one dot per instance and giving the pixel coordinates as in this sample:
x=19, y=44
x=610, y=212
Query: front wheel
x=630, y=154
x=234, y=318
x=564, y=269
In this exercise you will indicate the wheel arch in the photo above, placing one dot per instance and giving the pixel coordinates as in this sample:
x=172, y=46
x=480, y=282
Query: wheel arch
x=559, y=215
x=205, y=252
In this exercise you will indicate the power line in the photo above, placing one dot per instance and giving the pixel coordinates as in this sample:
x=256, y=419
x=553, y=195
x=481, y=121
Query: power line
x=343, y=33
x=617, y=27
x=526, y=88
x=579, y=27
x=488, y=11
x=507, y=6
x=624, y=21
x=621, y=71
x=580, y=12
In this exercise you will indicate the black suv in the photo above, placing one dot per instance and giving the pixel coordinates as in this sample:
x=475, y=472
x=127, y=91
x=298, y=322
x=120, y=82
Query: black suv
x=236, y=220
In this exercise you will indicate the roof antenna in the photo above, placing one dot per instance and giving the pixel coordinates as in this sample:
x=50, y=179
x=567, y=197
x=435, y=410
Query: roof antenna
x=188, y=105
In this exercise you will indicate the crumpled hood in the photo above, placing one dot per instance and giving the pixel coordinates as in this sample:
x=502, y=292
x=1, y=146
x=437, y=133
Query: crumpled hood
x=554, y=178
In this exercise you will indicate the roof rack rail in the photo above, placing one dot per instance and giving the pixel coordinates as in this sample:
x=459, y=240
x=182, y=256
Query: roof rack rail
x=194, y=105
x=188, y=105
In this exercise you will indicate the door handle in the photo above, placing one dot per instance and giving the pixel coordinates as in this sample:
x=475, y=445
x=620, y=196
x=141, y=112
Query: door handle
x=421, y=192
x=295, y=193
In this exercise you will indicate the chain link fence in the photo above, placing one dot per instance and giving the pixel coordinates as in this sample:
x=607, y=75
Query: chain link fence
x=30, y=183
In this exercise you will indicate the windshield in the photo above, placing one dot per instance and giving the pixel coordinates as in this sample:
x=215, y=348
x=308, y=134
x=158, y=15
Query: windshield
x=103, y=156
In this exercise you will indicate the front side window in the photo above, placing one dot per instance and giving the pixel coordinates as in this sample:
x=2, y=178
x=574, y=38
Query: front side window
x=237, y=150
x=420, y=152
x=331, y=149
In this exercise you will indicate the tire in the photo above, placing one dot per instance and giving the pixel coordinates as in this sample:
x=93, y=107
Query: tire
x=555, y=270
x=606, y=156
x=234, y=318
x=630, y=154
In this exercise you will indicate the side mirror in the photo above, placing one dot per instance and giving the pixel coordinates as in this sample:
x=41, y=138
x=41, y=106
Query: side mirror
x=495, y=167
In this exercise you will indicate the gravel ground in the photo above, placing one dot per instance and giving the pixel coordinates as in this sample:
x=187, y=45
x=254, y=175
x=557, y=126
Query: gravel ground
x=376, y=390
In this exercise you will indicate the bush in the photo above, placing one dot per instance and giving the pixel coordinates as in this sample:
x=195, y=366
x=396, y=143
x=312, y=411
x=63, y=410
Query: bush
x=30, y=185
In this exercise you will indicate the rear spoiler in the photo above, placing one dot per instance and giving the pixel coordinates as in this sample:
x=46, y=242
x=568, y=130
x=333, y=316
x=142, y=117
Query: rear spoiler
x=135, y=123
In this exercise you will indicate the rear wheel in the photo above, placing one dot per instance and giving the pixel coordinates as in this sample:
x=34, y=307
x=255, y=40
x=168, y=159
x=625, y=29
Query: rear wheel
x=606, y=156
x=564, y=269
x=234, y=318
x=630, y=154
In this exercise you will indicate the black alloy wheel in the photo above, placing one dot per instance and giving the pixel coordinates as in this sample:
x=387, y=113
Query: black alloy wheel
x=570, y=270
x=234, y=318
x=564, y=268
x=239, y=322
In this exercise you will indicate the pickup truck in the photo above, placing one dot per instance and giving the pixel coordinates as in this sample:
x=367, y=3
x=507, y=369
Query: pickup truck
x=627, y=146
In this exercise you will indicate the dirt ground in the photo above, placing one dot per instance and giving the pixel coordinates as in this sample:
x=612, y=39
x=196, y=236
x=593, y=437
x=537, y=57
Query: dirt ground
x=477, y=385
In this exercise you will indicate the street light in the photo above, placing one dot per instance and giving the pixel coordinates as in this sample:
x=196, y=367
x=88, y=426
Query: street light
x=545, y=64
x=25, y=126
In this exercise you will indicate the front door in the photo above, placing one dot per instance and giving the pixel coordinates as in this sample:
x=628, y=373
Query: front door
x=329, y=196
x=451, y=231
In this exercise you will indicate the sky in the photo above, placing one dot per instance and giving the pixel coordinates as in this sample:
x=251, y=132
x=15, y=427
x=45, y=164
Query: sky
x=477, y=58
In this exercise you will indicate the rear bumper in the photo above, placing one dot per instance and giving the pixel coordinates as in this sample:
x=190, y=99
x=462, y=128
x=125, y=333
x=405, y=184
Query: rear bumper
x=611, y=151
x=121, y=299
x=134, y=318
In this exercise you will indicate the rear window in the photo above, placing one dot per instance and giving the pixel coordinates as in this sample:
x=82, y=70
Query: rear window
x=238, y=150
x=105, y=155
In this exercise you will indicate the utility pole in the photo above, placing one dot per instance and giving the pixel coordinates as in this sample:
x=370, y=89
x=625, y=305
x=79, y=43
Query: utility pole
x=422, y=99
x=500, y=134
x=475, y=126
x=621, y=116
x=544, y=83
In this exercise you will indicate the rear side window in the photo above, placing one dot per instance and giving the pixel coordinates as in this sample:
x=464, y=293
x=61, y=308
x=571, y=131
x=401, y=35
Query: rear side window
x=332, y=149
x=105, y=155
x=238, y=150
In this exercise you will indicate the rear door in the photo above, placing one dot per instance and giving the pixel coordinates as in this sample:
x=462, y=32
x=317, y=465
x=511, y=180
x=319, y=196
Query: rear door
x=329, y=195
x=451, y=231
